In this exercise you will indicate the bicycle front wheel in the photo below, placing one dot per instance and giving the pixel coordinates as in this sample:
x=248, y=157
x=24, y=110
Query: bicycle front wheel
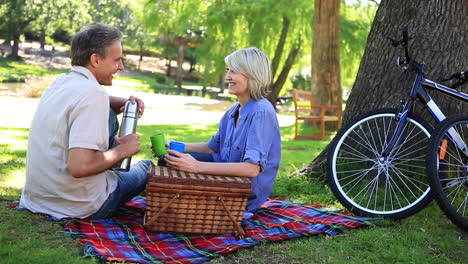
x=447, y=165
x=366, y=182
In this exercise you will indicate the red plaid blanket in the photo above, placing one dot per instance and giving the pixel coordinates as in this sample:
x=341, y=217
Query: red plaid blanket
x=123, y=238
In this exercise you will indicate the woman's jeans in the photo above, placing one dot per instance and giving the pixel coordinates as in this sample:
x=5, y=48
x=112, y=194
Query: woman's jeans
x=130, y=183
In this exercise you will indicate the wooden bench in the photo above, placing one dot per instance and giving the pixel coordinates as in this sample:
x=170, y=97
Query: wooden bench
x=306, y=110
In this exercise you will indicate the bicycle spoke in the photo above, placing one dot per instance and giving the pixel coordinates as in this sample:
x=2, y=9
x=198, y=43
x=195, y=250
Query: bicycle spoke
x=365, y=188
x=394, y=192
x=365, y=140
x=403, y=176
x=399, y=190
x=464, y=204
x=362, y=155
x=357, y=179
x=457, y=158
x=359, y=166
x=448, y=168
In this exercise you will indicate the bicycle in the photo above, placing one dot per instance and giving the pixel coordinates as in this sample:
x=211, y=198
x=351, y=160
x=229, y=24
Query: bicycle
x=377, y=162
x=447, y=166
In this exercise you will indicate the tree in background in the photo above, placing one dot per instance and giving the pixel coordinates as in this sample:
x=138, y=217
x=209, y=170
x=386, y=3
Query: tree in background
x=50, y=18
x=17, y=15
x=41, y=17
x=274, y=26
x=326, y=78
x=355, y=24
x=440, y=42
x=211, y=29
x=180, y=23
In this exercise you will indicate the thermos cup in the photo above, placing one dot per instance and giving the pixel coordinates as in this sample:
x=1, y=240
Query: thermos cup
x=129, y=124
x=159, y=144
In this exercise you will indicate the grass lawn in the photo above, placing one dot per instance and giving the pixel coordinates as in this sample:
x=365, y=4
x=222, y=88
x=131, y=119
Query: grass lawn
x=21, y=69
x=427, y=237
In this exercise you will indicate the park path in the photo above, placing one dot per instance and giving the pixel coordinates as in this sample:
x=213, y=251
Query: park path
x=17, y=112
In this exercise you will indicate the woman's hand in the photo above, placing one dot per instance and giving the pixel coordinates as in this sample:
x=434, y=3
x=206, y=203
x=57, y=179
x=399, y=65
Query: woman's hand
x=182, y=161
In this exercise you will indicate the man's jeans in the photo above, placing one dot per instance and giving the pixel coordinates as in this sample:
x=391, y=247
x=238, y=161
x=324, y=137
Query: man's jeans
x=130, y=183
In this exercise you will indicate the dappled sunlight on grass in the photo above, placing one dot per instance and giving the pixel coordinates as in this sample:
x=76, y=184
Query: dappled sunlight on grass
x=12, y=161
x=9, y=193
x=16, y=180
x=198, y=126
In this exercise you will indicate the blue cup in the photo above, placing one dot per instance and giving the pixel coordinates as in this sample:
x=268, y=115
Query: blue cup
x=177, y=146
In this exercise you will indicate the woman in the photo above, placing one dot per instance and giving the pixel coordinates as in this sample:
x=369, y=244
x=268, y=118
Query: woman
x=248, y=141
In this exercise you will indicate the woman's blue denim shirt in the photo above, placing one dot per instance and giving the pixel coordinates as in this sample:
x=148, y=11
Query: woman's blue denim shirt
x=255, y=139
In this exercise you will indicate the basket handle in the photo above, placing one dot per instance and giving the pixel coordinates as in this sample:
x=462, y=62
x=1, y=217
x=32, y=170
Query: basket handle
x=239, y=229
x=156, y=216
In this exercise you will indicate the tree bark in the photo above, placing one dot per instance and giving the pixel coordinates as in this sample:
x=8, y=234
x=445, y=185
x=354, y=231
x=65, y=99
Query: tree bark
x=440, y=41
x=15, y=48
x=280, y=46
x=180, y=70
x=97, y=6
x=326, y=79
x=168, y=65
x=278, y=84
x=42, y=39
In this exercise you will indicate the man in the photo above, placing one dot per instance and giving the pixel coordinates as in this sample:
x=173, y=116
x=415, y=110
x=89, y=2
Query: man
x=71, y=148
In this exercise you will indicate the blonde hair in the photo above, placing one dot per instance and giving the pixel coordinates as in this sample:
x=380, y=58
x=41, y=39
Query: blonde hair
x=254, y=64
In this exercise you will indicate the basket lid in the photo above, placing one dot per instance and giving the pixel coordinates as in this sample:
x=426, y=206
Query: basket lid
x=159, y=174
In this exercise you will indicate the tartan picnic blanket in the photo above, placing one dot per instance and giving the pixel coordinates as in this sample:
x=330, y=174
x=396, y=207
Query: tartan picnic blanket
x=123, y=238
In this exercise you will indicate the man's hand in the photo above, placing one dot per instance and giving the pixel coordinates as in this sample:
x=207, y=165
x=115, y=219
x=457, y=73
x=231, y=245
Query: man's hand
x=118, y=104
x=141, y=105
x=88, y=162
x=129, y=145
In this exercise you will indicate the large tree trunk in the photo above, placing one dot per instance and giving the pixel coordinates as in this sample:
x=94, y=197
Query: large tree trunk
x=440, y=42
x=326, y=80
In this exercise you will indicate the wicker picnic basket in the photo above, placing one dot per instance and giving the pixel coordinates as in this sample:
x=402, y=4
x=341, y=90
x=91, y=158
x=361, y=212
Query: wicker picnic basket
x=182, y=202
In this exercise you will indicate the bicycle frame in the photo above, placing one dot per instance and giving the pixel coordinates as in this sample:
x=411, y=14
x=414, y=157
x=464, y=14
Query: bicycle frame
x=418, y=91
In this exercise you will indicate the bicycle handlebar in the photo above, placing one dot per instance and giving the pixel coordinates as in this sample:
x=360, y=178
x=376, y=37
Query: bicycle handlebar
x=459, y=77
x=408, y=63
x=404, y=30
x=404, y=42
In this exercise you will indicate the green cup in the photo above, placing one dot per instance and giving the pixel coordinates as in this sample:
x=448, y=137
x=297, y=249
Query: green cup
x=159, y=144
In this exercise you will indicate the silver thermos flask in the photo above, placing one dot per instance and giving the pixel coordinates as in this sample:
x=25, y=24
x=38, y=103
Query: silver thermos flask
x=129, y=124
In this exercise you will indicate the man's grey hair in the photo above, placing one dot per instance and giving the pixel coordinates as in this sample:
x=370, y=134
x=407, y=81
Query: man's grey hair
x=93, y=38
x=254, y=64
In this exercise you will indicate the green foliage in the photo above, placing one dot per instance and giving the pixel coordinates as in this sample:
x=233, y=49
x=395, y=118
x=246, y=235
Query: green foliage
x=22, y=69
x=355, y=23
x=301, y=81
x=211, y=29
x=11, y=79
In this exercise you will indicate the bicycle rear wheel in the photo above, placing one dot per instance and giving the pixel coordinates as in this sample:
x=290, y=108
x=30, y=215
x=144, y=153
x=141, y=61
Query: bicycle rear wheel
x=447, y=166
x=369, y=184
